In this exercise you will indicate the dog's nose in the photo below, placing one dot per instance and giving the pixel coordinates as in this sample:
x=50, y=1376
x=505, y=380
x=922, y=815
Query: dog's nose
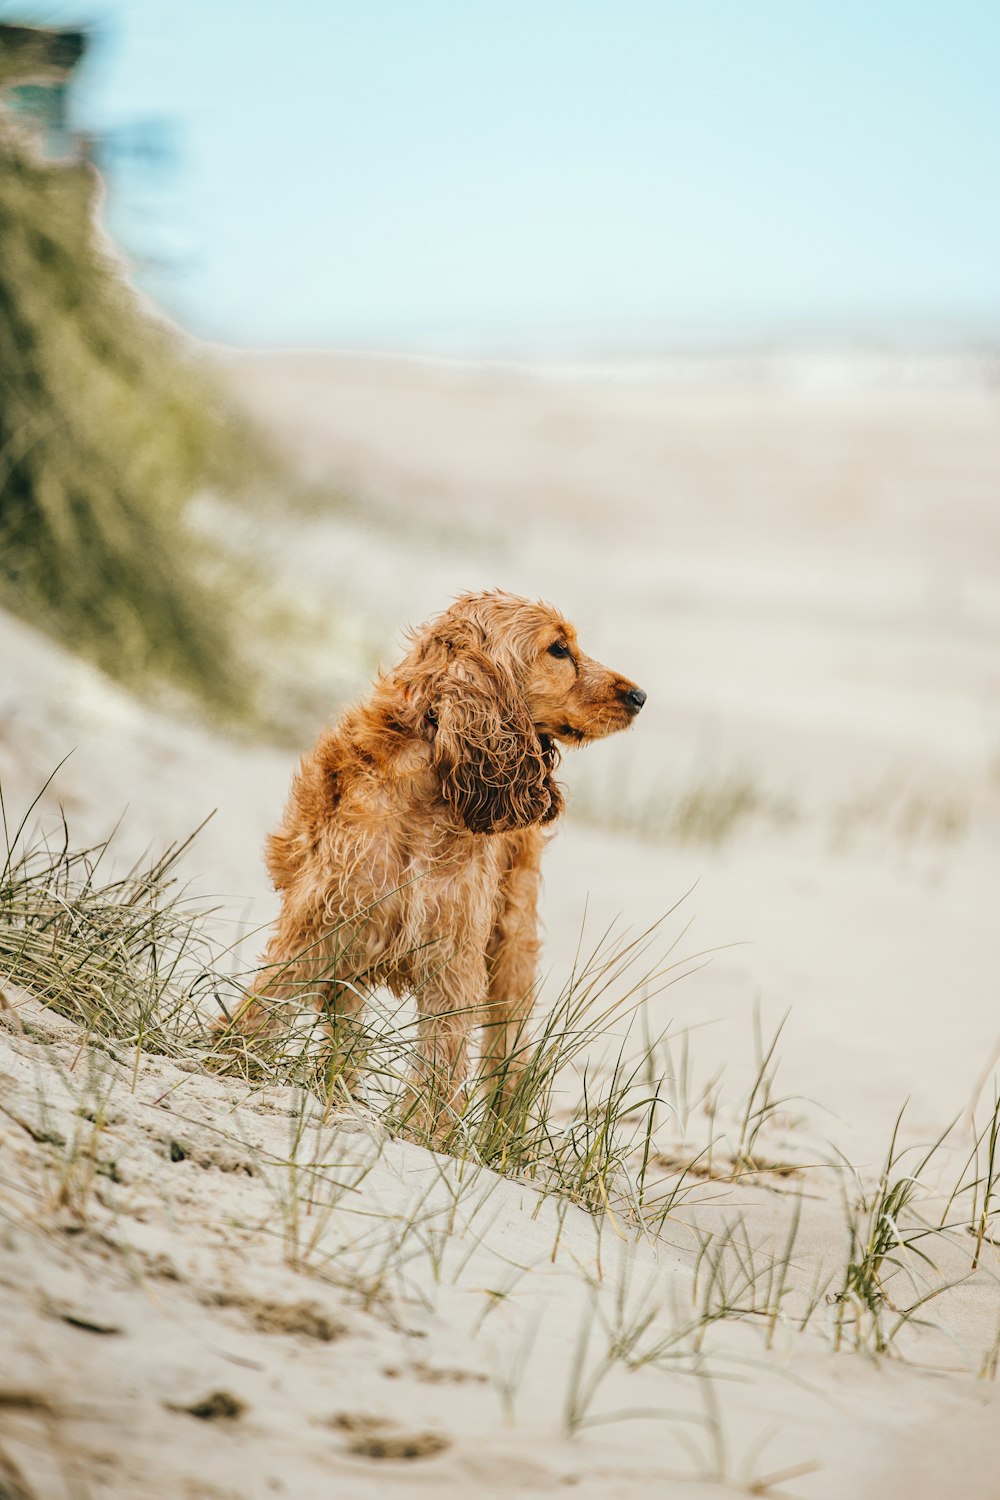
x=635, y=698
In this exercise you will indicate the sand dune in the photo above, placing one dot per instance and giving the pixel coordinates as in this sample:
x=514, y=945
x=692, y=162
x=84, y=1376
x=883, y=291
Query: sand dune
x=803, y=575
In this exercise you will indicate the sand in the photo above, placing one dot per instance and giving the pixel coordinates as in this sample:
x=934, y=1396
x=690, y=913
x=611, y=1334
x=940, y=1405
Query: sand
x=798, y=561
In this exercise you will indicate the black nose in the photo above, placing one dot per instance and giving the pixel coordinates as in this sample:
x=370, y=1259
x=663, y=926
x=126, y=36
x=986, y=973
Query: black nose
x=635, y=698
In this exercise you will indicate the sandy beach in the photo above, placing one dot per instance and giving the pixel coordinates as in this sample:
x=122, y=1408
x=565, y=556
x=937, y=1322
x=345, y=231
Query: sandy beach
x=799, y=560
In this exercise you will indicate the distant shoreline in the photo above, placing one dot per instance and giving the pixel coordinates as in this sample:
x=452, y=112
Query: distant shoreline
x=775, y=366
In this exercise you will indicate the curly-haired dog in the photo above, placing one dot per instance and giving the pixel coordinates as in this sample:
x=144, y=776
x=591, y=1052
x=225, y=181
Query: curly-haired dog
x=409, y=852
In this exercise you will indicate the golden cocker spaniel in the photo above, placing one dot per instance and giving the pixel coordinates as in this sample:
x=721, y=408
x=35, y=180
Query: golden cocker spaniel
x=409, y=852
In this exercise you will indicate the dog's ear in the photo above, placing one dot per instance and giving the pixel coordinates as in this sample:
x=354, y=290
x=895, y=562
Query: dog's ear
x=491, y=764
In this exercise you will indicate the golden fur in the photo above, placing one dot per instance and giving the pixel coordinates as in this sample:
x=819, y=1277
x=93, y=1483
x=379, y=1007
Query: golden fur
x=409, y=851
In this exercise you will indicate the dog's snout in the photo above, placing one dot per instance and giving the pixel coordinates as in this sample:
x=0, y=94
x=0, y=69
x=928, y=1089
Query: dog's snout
x=635, y=698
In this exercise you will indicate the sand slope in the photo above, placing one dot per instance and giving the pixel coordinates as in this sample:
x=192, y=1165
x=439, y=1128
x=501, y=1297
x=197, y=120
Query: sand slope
x=804, y=579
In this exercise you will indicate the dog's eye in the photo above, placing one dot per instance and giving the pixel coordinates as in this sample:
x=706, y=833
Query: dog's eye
x=559, y=648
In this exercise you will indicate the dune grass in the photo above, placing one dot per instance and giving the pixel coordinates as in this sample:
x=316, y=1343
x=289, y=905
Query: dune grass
x=109, y=428
x=599, y=1116
x=133, y=962
x=714, y=808
x=710, y=810
x=120, y=955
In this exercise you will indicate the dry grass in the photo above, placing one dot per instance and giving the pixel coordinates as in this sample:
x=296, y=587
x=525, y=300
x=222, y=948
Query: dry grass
x=712, y=810
x=120, y=955
x=709, y=810
x=135, y=964
x=593, y=1121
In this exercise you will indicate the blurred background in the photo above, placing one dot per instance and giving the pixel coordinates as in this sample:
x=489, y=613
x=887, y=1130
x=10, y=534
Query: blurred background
x=683, y=316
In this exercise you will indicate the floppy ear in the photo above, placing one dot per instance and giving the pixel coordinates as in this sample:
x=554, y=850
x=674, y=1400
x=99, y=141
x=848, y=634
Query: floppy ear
x=493, y=769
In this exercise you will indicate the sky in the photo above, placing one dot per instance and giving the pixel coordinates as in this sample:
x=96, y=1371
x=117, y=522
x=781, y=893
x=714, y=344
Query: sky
x=489, y=176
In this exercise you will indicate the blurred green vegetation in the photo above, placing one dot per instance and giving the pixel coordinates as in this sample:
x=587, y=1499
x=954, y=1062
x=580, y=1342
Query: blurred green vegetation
x=109, y=429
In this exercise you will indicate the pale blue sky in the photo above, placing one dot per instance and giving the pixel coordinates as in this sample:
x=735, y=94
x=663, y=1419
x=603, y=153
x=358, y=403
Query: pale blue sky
x=486, y=175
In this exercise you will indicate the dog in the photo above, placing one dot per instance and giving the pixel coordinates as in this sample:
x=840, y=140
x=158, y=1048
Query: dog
x=409, y=852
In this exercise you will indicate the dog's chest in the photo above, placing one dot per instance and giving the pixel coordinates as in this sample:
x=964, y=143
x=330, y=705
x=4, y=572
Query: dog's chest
x=449, y=888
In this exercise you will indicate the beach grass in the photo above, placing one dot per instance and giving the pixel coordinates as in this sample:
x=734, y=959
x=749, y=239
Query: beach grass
x=110, y=428
x=596, y=1115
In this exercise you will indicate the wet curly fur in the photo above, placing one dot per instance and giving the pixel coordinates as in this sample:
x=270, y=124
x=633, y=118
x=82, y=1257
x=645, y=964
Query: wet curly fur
x=408, y=856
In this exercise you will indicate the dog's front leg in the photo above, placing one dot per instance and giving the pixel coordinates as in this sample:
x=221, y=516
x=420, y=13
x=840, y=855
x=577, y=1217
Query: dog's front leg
x=512, y=961
x=449, y=1002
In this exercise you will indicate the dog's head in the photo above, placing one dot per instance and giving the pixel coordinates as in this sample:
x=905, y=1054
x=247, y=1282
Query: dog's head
x=496, y=684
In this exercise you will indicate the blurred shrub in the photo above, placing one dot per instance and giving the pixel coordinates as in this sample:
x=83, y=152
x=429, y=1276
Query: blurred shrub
x=108, y=429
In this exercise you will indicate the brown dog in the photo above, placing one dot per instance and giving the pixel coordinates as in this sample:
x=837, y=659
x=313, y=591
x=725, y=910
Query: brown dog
x=409, y=852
